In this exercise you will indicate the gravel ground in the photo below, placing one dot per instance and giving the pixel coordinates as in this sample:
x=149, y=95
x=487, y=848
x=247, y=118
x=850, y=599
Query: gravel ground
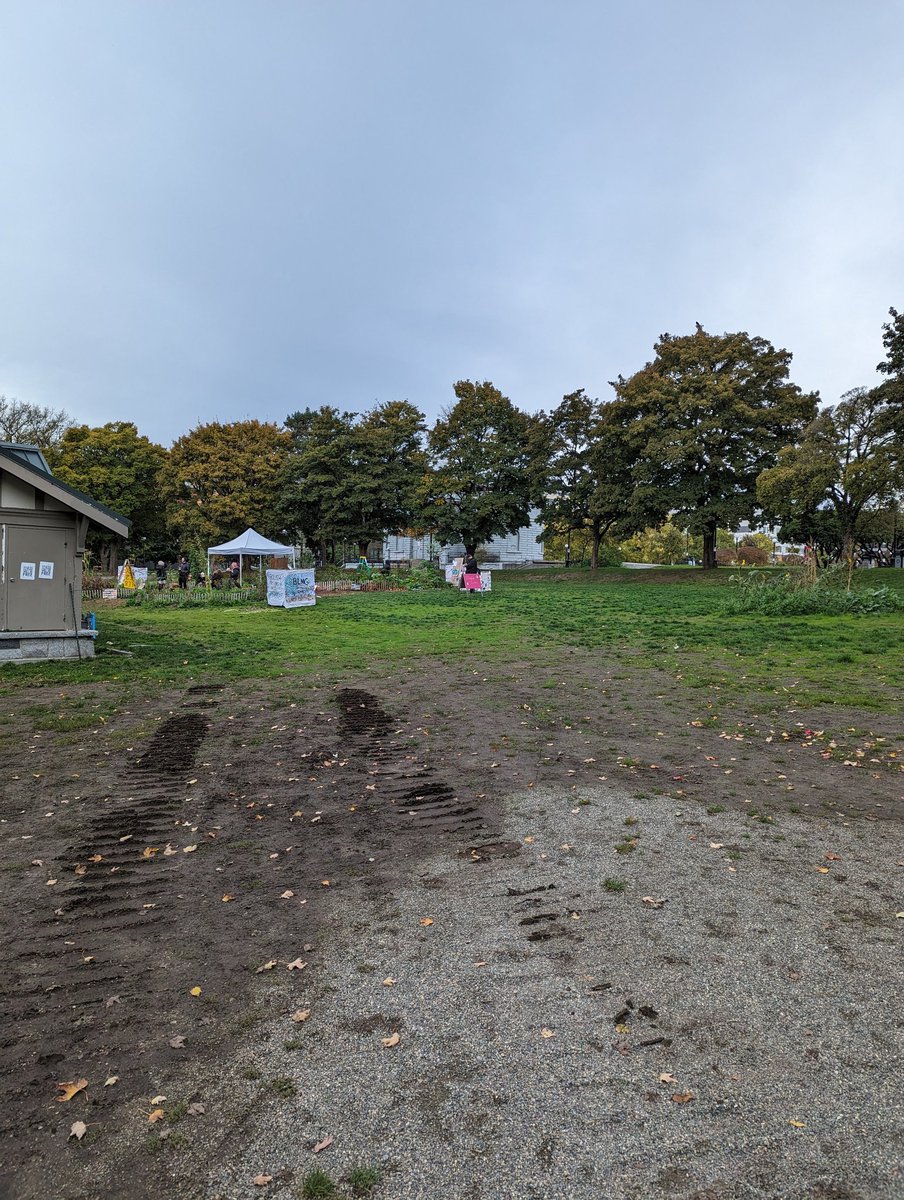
x=766, y=986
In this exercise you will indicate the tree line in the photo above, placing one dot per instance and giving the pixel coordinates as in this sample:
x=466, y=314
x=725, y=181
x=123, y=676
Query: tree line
x=709, y=433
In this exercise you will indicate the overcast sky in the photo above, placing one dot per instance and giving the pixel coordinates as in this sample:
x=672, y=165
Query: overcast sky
x=212, y=210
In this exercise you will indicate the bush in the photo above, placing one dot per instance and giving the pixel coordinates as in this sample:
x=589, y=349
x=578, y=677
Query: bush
x=790, y=594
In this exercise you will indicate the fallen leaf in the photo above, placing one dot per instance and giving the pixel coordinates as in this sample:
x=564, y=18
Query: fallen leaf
x=189, y=849
x=157, y=1115
x=111, y=1000
x=324, y=883
x=716, y=845
x=267, y=966
x=665, y=1077
x=262, y=1180
x=426, y=921
x=195, y=991
x=157, y=1099
x=169, y=849
x=68, y=1090
x=683, y=1097
x=177, y=1042
x=78, y=1130
x=621, y=1028
x=327, y=1141
x=296, y=965
x=110, y=1080
x=148, y=851
x=227, y=898
x=195, y=1109
x=389, y=981
x=547, y=1033
x=301, y=1015
x=287, y=895
x=392, y=1040
x=653, y=901
x=823, y=870
x=81, y=869
x=798, y=1124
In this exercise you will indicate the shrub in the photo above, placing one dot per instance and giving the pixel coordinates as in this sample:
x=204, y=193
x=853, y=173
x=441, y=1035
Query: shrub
x=790, y=594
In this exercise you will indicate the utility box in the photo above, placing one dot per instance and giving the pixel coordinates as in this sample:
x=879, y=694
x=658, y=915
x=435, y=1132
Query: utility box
x=43, y=525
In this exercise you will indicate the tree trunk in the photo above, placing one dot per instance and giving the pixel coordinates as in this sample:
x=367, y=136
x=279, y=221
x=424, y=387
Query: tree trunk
x=363, y=543
x=595, y=550
x=470, y=549
x=709, y=546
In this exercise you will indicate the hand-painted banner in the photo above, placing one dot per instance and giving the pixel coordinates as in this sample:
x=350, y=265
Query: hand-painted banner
x=291, y=589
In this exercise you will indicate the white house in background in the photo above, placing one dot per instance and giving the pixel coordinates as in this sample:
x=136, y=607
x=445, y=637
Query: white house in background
x=521, y=548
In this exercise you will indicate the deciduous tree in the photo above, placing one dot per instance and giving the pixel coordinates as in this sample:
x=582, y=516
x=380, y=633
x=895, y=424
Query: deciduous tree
x=221, y=478
x=846, y=466
x=701, y=422
x=483, y=481
x=120, y=467
x=33, y=424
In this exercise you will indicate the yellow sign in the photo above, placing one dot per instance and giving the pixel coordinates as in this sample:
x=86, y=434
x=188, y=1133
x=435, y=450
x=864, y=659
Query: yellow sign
x=128, y=576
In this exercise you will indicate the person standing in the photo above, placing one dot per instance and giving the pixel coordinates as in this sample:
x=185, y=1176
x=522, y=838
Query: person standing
x=234, y=574
x=184, y=569
x=161, y=575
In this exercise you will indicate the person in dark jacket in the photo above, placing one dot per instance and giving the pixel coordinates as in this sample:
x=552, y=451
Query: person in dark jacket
x=161, y=575
x=184, y=569
x=234, y=574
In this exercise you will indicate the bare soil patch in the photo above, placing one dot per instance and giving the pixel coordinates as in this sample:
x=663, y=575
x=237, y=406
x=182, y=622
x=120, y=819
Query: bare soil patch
x=210, y=838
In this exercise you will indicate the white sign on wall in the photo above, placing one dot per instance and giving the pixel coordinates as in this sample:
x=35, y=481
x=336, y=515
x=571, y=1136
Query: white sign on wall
x=45, y=570
x=26, y=570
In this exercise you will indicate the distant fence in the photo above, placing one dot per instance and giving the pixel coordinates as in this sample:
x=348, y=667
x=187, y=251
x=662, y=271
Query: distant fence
x=367, y=585
x=175, y=595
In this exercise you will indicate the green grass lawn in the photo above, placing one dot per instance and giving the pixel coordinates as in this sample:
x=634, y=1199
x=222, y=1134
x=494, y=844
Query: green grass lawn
x=672, y=620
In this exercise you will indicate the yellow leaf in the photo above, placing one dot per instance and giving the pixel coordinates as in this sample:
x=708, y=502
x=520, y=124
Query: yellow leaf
x=157, y=1099
x=287, y=895
x=227, y=898
x=150, y=851
x=296, y=965
x=823, y=870
x=392, y=1040
x=195, y=991
x=157, y=1115
x=68, y=1090
x=426, y=921
x=547, y=1033
x=388, y=981
x=267, y=966
x=189, y=849
x=622, y=1028
x=798, y=1124
x=110, y=1080
x=301, y=1015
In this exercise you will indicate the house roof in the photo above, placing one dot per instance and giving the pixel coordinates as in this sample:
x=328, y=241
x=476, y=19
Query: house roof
x=21, y=462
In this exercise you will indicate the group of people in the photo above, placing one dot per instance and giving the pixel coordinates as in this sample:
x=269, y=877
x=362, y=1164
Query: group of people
x=218, y=577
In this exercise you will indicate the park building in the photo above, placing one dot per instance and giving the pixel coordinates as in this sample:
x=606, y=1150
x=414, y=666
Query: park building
x=520, y=549
x=43, y=527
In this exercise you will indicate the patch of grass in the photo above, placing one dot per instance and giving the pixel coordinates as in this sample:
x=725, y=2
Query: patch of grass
x=283, y=1087
x=363, y=1180
x=177, y=1112
x=614, y=885
x=293, y=1044
x=713, y=809
x=251, y=1073
x=317, y=1185
x=627, y=846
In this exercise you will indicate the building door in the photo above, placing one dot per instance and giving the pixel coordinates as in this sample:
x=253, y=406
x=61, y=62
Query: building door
x=37, y=591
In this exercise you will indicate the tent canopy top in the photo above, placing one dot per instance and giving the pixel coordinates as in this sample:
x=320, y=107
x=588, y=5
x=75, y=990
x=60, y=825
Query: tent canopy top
x=250, y=542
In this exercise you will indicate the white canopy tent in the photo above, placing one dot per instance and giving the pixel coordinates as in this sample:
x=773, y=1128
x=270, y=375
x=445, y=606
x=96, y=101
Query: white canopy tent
x=249, y=544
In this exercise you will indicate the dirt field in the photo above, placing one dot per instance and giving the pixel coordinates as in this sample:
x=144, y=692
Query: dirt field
x=245, y=840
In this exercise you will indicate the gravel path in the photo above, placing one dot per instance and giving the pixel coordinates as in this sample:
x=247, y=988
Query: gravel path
x=564, y=1039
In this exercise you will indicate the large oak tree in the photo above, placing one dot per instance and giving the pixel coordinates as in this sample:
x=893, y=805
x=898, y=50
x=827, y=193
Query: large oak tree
x=700, y=423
